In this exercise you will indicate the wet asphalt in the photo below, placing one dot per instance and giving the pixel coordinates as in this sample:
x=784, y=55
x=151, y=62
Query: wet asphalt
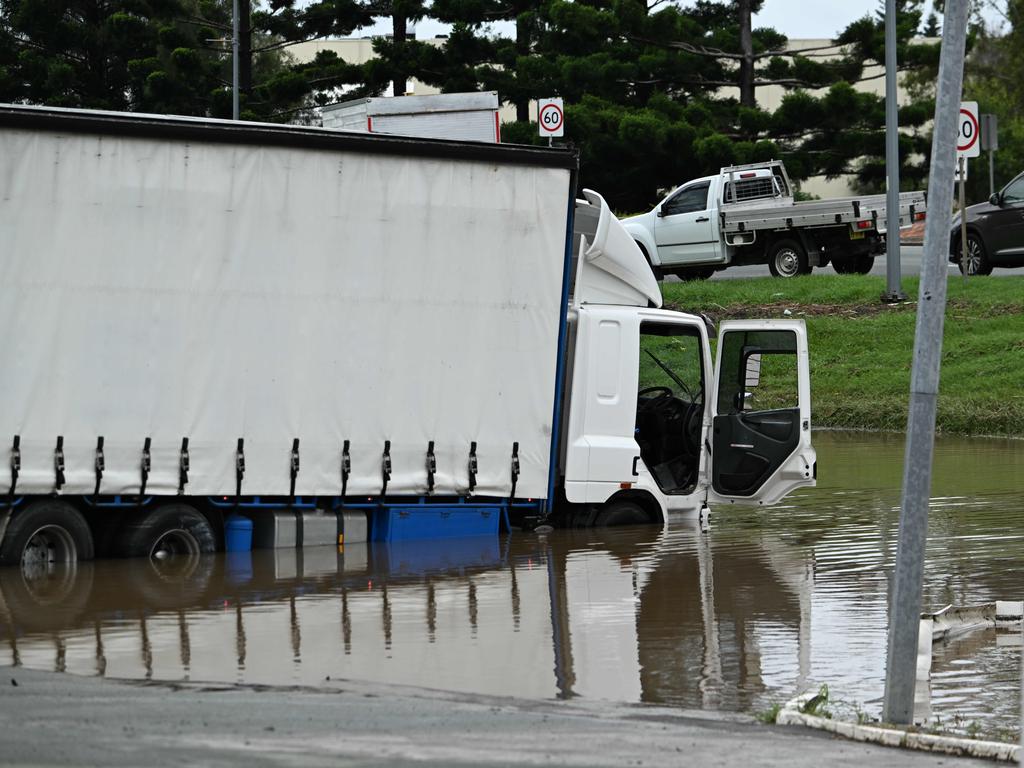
x=52, y=719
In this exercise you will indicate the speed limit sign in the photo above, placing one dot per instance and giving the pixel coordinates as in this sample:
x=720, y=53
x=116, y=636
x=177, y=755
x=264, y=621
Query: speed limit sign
x=968, y=130
x=550, y=117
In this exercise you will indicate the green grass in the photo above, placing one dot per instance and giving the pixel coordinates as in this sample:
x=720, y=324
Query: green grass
x=862, y=349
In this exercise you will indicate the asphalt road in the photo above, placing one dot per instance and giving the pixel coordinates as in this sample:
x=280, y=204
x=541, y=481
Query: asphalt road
x=910, y=265
x=49, y=719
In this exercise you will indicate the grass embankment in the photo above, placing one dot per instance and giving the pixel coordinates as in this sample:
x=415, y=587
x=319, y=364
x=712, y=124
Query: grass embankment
x=862, y=349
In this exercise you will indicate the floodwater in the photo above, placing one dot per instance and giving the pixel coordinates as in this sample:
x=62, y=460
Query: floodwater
x=767, y=604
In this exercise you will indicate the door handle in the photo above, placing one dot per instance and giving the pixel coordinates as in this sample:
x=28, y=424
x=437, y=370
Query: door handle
x=635, y=460
x=699, y=219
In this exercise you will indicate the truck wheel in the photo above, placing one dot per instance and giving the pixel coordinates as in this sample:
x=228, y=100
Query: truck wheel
x=977, y=259
x=174, y=529
x=621, y=513
x=45, y=534
x=787, y=258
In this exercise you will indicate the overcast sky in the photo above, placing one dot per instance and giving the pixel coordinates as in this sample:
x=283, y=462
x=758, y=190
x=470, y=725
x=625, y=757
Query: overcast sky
x=794, y=18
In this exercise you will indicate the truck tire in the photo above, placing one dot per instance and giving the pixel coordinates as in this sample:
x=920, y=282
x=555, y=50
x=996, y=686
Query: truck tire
x=621, y=513
x=787, y=258
x=172, y=529
x=48, y=602
x=44, y=534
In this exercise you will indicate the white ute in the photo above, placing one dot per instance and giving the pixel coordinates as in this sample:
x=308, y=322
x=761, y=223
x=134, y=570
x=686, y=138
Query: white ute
x=747, y=214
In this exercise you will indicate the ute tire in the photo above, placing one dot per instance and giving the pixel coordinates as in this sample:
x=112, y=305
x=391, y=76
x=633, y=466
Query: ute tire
x=862, y=265
x=54, y=518
x=183, y=524
x=787, y=258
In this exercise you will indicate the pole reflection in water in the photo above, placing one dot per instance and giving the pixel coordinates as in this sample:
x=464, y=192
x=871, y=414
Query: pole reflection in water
x=768, y=603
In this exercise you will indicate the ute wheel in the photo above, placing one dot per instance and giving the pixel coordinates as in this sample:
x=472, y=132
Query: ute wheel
x=862, y=264
x=621, y=513
x=659, y=275
x=688, y=274
x=43, y=535
x=173, y=529
x=787, y=258
x=977, y=258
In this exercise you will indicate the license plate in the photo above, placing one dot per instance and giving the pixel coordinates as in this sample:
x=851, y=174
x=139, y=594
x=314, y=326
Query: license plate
x=854, y=235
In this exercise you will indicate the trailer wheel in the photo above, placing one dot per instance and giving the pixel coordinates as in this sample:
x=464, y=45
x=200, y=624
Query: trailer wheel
x=621, y=513
x=45, y=534
x=174, y=529
x=787, y=258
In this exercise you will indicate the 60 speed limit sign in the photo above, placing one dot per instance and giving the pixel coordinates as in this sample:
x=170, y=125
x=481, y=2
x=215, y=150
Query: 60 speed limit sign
x=968, y=132
x=550, y=117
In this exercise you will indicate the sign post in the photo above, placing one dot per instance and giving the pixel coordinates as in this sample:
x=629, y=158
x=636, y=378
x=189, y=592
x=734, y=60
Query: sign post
x=968, y=144
x=990, y=143
x=550, y=118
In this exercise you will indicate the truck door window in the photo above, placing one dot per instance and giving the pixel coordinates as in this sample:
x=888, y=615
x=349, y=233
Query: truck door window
x=687, y=200
x=670, y=404
x=759, y=372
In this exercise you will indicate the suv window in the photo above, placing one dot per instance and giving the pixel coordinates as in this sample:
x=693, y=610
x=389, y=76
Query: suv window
x=1014, y=192
x=687, y=200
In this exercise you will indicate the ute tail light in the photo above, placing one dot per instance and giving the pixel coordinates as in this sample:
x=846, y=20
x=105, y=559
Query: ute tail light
x=865, y=224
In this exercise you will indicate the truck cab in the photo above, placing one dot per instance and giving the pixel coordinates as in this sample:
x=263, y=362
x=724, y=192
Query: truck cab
x=654, y=422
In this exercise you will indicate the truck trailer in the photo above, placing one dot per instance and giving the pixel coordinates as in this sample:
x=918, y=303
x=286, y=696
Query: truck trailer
x=318, y=331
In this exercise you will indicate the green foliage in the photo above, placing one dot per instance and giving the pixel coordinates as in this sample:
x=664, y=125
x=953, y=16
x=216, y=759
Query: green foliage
x=770, y=715
x=992, y=78
x=862, y=350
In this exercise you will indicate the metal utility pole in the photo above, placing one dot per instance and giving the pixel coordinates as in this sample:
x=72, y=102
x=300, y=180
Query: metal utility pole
x=905, y=609
x=234, y=60
x=893, y=289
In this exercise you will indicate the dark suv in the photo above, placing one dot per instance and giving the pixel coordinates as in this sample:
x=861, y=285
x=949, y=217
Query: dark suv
x=995, y=232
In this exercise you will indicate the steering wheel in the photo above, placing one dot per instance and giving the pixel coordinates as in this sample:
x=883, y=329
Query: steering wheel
x=693, y=421
x=658, y=392
x=654, y=397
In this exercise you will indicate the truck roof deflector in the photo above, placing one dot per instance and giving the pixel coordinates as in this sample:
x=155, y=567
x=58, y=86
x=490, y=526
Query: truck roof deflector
x=612, y=268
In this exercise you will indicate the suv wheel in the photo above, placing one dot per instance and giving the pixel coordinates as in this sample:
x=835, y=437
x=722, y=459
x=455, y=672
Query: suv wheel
x=977, y=259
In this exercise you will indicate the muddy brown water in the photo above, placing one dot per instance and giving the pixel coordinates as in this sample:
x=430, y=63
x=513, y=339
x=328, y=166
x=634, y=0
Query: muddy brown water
x=768, y=603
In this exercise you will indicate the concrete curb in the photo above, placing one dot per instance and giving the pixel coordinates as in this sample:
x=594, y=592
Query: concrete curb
x=790, y=714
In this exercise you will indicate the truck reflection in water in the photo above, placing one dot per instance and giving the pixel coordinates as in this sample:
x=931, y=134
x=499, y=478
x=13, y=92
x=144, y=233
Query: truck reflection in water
x=764, y=606
x=615, y=615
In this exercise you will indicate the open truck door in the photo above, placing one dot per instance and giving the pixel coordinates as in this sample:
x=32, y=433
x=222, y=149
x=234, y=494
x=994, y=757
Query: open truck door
x=760, y=437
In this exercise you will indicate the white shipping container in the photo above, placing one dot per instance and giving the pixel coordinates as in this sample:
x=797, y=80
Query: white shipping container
x=462, y=116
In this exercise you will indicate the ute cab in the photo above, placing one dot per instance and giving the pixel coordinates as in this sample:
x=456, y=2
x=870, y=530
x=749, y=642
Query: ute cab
x=654, y=422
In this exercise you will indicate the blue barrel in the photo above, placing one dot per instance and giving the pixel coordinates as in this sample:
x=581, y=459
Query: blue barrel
x=237, y=534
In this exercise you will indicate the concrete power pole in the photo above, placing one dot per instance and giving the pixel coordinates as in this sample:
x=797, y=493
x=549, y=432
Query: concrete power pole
x=905, y=609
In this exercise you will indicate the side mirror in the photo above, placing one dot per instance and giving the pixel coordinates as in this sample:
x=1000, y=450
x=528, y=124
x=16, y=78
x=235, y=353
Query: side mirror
x=994, y=199
x=661, y=213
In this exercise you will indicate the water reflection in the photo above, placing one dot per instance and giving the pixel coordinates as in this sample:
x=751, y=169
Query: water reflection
x=765, y=605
